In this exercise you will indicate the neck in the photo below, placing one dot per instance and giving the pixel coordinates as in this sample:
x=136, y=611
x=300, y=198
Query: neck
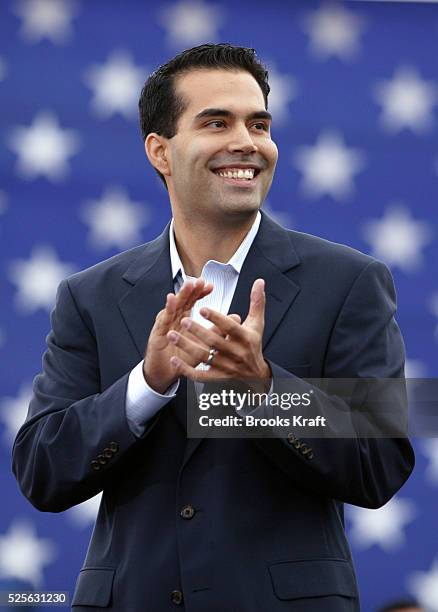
x=199, y=242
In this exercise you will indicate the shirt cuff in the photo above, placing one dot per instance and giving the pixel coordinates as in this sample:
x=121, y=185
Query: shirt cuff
x=142, y=402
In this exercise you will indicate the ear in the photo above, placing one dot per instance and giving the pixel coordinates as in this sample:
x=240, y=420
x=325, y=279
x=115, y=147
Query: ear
x=156, y=151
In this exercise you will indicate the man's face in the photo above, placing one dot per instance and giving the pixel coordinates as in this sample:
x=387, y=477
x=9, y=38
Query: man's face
x=222, y=158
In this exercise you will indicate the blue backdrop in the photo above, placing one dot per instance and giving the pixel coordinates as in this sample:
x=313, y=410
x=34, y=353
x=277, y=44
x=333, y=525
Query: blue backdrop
x=354, y=99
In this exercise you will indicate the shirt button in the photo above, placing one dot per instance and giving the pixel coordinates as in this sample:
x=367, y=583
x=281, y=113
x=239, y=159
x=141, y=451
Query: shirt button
x=176, y=597
x=188, y=512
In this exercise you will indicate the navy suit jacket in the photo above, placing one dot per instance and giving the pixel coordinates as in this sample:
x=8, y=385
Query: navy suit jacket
x=262, y=528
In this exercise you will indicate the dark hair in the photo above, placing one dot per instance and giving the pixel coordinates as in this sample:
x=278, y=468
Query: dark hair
x=159, y=105
x=402, y=604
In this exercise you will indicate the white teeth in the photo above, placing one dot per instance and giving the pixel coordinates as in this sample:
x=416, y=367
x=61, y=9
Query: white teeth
x=237, y=173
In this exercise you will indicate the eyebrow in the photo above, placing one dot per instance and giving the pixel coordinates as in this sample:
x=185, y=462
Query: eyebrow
x=221, y=112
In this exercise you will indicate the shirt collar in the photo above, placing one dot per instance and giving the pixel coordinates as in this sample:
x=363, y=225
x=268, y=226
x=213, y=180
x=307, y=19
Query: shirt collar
x=236, y=261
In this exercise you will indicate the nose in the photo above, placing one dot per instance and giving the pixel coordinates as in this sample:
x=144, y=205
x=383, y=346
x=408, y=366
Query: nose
x=241, y=141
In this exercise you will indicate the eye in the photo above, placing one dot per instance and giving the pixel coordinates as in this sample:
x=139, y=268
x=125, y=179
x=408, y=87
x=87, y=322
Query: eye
x=216, y=123
x=260, y=126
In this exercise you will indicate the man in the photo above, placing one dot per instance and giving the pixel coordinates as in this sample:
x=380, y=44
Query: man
x=216, y=525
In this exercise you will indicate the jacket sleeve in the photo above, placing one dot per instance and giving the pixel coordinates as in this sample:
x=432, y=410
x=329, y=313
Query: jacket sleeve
x=365, y=343
x=75, y=433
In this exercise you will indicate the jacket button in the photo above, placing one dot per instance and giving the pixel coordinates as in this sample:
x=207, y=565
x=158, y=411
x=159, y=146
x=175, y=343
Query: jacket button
x=101, y=459
x=291, y=438
x=108, y=453
x=188, y=512
x=176, y=597
x=298, y=444
x=95, y=465
x=113, y=446
x=307, y=451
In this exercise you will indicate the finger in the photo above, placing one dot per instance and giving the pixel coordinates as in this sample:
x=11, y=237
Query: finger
x=182, y=368
x=184, y=295
x=173, y=302
x=216, y=329
x=169, y=314
x=187, y=301
x=196, y=353
x=164, y=318
x=236, y=318
x=226, y=324
x=256, y=314
x=198, y=294
x=187, y=334
x=176, y=305
x=211, y=338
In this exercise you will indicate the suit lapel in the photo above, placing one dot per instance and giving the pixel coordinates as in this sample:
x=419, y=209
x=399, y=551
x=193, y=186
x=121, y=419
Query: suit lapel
x=280, y=291
x=150, y=280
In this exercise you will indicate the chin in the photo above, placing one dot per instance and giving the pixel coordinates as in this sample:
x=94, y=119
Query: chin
x=242, y=207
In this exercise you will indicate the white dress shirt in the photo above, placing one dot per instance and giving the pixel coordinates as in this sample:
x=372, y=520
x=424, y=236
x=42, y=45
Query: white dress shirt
x=142, y=402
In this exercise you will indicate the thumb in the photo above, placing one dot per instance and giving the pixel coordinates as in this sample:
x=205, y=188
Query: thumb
x=256, y=314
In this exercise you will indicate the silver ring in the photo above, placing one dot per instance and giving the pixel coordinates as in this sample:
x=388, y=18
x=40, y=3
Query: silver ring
x=211, y=355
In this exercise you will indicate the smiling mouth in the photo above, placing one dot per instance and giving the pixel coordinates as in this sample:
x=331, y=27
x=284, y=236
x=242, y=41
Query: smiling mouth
x=238, y=176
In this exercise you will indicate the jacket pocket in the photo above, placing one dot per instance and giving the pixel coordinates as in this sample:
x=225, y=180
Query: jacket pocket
x=313, y=578
x=94, y=587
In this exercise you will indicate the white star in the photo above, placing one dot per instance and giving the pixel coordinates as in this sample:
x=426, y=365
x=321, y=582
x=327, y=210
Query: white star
x=283, y=91
x=424, y=585
x=84, y=515
x=191, y=22
x=334, y=31
x=14, y=410
x=23, y=555
x=116, y=85
x=43, y=148
x=115, y=220
x=430, y=450
x=280, y=216
x=384, y=526
x=3, y=69
x=49, y=19
x=328, y=167
x=414, y=368
x=37, y=279
x=397, y=238
x=407, y=101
